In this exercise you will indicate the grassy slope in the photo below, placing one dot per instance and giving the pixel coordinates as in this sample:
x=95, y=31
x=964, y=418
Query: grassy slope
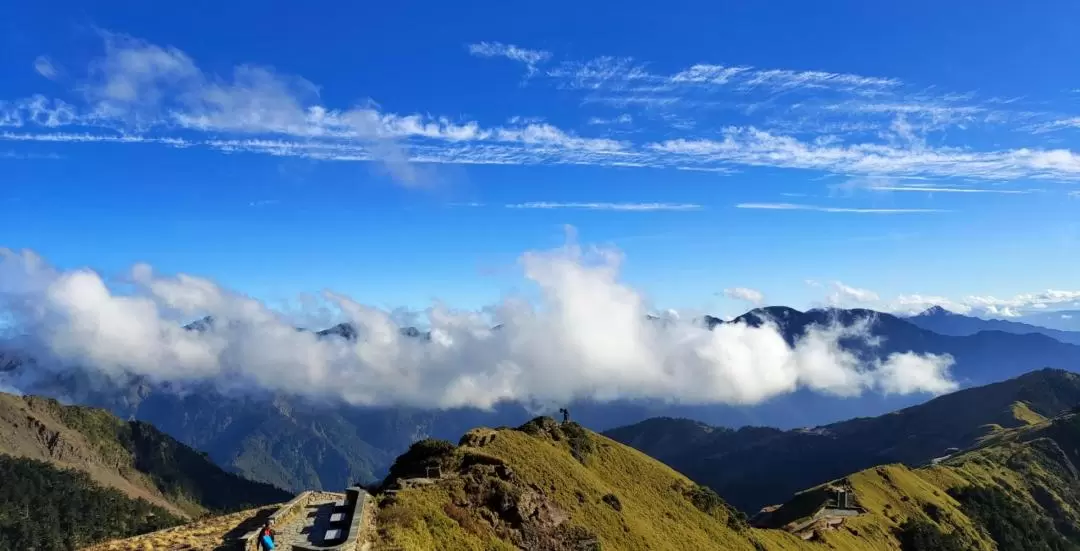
x=131, y=456
x=208, y=534
x=1022, y=462
x=654, y=507
x=1032, y=465
x=758, y=467
x=652, y=496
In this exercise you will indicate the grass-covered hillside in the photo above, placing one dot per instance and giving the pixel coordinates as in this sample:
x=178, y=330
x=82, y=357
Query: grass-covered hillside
x=132, y=457
x=756, y=466
x=551, y=486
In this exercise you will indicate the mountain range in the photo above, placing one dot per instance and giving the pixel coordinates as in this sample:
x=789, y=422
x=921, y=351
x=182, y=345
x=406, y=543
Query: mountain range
x=757, y=466
x=1065, y=320
x=558, y=486
x=940, y=320
x=296, y=443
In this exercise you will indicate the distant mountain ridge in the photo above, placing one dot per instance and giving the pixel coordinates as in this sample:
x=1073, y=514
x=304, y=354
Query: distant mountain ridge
x=757, y=466
x=1065, y=320
x=940, y=320
x=298, y=443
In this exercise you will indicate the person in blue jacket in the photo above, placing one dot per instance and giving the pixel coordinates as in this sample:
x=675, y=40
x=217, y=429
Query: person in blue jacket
x=266, y=537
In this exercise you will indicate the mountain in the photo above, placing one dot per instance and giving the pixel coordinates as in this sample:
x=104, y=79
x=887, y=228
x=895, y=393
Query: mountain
x=558, y=486
x=297, y=443
x=73, y=476
x=940, y=320
x=981, y=358
x=1064, y=320
x=754, y=466
x=133, y=458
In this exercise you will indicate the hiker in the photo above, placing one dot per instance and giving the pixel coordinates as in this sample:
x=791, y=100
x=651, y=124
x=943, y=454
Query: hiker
x=266, y=537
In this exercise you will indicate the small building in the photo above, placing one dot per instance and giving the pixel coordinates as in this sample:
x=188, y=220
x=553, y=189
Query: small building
x=822, y=508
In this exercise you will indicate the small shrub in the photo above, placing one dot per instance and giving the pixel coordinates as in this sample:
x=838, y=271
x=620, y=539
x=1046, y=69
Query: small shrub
x=581, y=445
x=704, y=498
x=613, y=501
x=918, y=535
x=468, y=522
x=429, y=452
x=934, y=512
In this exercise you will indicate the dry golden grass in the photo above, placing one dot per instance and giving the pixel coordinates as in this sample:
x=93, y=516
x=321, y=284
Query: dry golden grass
x=1022, y=412
x=654, y=512
x=211, y=534
x=656, y=515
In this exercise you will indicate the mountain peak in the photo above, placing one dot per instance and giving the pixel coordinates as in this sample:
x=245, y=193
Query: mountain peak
x=935, y=311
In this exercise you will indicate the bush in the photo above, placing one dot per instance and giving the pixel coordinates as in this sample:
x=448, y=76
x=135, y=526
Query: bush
x=705, y=499
x=581, y=445
x=919, y=535
x=1011, y=524
x=613, y=501
x=414, y=463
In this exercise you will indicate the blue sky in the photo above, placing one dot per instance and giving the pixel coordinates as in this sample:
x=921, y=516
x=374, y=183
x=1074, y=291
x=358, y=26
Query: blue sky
x=840, y=152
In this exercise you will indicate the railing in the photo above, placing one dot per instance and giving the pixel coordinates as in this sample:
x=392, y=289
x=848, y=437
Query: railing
x=347, y=530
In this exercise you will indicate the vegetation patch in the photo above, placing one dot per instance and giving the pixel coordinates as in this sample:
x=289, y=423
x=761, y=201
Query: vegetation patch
x=1010, y=523
x=919, y=535
x=48, y=509
x=613, y=501
x=576, y=436
x=420, y=459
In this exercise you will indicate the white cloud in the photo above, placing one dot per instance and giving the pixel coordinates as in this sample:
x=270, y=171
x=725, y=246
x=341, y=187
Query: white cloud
x=1011, y=307
x=44, y=67
x=1066, y=317
x=916, y=303
x=988, y=306
x=712, y=74
x=531, y=58
x=847, y=296
x=946, y=189
x=627, y=74
x=139, y=92
x=1058, y=124
x=37, y=111
x=624, y=118
x=633, y=207
x=783, y=79
x=795, y=206
x=586, y=338
x=906, y=373
x=745, y=294
x=751, y=146
x=28, y=156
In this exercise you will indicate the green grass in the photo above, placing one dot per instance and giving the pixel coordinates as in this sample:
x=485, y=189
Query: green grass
x=584, y=474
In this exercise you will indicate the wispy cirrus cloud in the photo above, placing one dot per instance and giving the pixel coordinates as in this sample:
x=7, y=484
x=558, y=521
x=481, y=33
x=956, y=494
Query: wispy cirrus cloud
x=947, y=189
x=530, y=58
x=45, y=67
x=814, y=208
x=625, y=207
x=138, y=92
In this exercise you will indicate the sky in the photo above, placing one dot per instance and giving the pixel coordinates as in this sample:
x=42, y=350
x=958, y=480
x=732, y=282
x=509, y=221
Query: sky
x=733, y=154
